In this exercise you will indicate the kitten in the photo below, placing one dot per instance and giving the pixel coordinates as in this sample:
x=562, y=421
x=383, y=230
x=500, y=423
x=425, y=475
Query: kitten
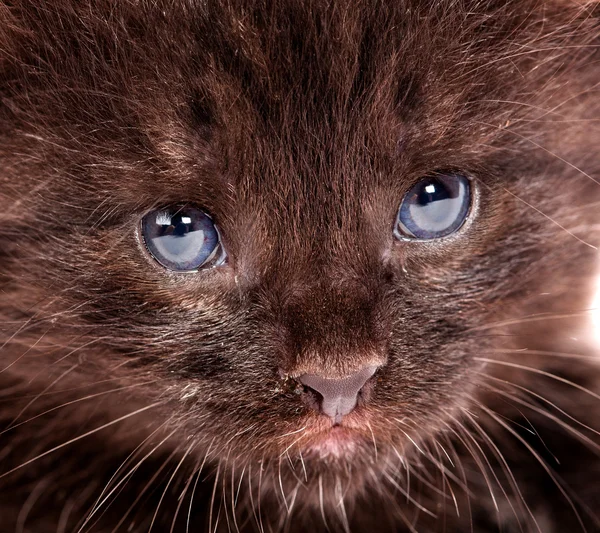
x=299, y=265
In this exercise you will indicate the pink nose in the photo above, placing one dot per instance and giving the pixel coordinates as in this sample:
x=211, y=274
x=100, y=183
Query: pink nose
x=339, y=395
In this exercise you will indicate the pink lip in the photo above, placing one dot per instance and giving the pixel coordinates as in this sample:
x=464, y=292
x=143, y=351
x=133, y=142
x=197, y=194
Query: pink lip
x=336, y=442
x=326, y=440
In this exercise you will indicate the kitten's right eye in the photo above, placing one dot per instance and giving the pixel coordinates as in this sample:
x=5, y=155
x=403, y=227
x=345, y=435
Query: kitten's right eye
x=183, y=239
x=435, y=207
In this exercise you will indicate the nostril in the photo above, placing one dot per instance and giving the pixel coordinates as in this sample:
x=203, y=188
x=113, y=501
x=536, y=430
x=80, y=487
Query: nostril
x=338, y=395
x=312, y=399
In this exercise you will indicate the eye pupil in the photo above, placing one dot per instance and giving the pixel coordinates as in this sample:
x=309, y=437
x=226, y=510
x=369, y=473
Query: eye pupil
x=432, y=192
x=180, y=227
x=434, y=207
x=182, y=239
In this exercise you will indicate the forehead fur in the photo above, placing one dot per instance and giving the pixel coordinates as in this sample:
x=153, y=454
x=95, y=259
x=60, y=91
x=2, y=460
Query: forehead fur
x=308, y=75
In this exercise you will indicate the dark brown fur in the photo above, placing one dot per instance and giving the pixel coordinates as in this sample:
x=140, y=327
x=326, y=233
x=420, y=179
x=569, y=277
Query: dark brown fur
x=298, y=125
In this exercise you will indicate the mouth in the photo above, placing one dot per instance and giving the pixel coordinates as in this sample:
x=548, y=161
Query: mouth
x=327, y=440
x=337, y=443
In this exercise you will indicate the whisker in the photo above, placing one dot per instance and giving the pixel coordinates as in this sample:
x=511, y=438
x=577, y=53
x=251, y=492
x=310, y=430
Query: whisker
x=27, y=506
x=409, y=498
x=237, y=492
x=66, y=404
x=539, y=459
x=175, y=470
x=321, y=503
x=87, y=434
x=527, y=351
x=233, y=498
x=550, y=218
x=545, y=400
x=181, y=498
x=506, y=469
x=285, y=503
x=32, y=401
x=252, y=503
x=373, y=437
x=445, y=480
x=541, y=373
x=212, y=501
x=531, y=318
x=101, y=500
x=260, y=480
x=339, y=493
x=140, y=494
x=480, y=465
x=198, y=473
x=29, y=349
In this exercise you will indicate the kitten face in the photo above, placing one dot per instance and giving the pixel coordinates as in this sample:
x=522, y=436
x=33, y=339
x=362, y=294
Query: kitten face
x=299, y=132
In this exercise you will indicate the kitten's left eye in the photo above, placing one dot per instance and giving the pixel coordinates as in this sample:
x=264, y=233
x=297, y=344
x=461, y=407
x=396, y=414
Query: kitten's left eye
x=435, y=207
x=183, y=239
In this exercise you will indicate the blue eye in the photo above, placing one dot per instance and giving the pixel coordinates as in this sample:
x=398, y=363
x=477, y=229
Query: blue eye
x=434, y=207
x=183, y=239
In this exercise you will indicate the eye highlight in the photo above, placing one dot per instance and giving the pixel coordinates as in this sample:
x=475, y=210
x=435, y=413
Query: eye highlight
x=183, y=239
x=435, y=207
